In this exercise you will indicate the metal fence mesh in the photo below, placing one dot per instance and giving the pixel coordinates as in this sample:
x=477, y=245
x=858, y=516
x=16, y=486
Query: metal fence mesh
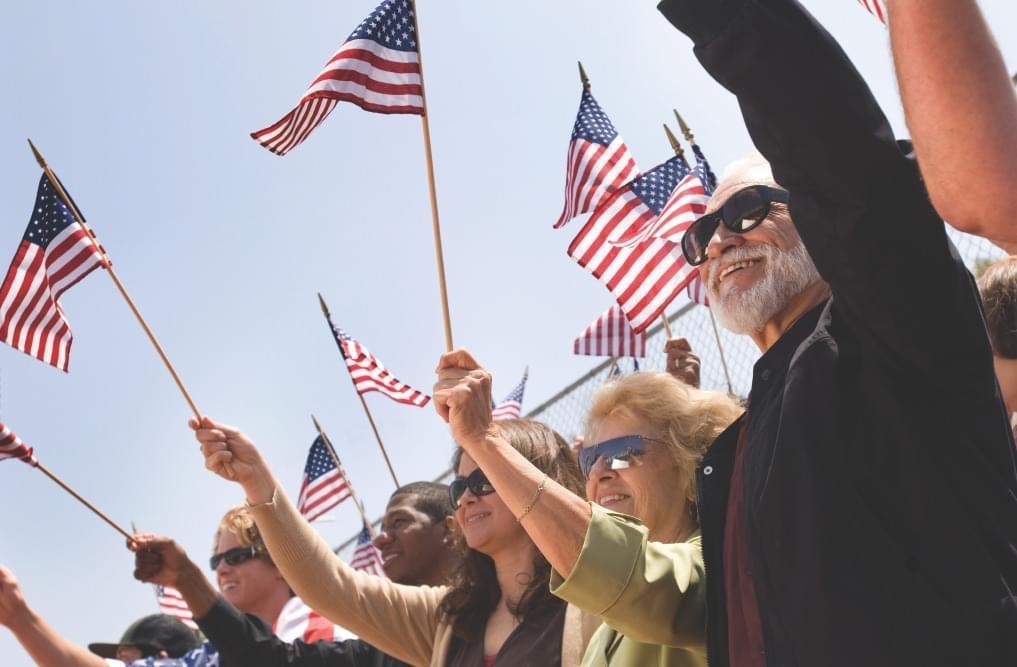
x=566, y=410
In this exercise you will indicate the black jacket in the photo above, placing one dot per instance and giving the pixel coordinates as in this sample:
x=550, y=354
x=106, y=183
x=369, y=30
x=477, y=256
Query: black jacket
x=244, y=640
x=880, y=473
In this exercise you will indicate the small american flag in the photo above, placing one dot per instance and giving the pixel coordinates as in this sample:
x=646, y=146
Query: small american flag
x=172, y=602
x=323, y=485
x=876, y=7
x=377, y=68
x=610, y=335
x=647, y=276
x=368, y=373
x=598, y=164
x=366, y=556
x=11, y=447
x=697, y=292
x=512, y=406
x=55, y=253
x=685, y=205
x=702, y=170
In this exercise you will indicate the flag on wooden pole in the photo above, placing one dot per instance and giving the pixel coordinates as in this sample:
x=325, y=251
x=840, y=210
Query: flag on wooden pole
x=512, y=406
x=610, y=335
x=377, y=68
x=367, y=557
x=55, y=253
x=11, y=447
x=323, y=484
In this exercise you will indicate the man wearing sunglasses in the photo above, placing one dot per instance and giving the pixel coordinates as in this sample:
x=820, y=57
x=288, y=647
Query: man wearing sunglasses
x=864, y=510
x=416, y=548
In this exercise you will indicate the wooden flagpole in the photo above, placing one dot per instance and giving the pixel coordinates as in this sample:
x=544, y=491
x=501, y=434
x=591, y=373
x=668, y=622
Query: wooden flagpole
x=435, y=224
x=367, y=411
x=610, y=369
x=81, y=500
x=342, y=472
x=108, y=265
x=720, y=349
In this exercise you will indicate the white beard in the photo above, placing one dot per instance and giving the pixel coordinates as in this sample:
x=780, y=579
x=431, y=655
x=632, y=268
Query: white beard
x=787, y=274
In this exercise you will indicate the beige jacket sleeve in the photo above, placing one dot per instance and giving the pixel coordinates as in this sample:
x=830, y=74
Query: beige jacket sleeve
x=401, y=621
x=648, y=591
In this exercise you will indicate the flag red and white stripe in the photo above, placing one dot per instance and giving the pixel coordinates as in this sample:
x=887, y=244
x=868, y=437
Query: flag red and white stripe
x=876, y=7
x=172, y=602
x=685, y=205
x=598, y=161
x=369, y=374
x=645, y=277
x=323, y=484
x=55, y=253
x=377, y=68
x=512, y=406
x=697, y=292
x=367, y=557
x=298, y=621
x=610, y=335
x=11, y=447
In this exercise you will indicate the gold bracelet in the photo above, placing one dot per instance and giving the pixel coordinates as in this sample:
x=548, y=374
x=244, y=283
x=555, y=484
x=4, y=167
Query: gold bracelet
x=533, y=500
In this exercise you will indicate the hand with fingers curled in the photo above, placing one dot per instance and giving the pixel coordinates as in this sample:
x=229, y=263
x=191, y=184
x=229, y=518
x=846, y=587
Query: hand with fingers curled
x=682, y=362
x=462, y=396
x=233, y=456
x=158, y=560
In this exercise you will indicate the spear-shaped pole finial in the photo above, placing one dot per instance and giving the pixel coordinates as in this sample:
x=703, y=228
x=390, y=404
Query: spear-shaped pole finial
x=324, y=306
x=38, y=156
x=683, y=126
x=317, y=426
x=675, y=144
x=582, y=77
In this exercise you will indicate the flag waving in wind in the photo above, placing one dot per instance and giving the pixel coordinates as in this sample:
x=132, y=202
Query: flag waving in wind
x=512, y=406
x=377, y=68
x=366, y=556
x=55, y=253
x=369, y=375
x=876, y=7
x=323, y=485
x=11, y=447
x=599, y=162
x=647, y=276
x=172, y=602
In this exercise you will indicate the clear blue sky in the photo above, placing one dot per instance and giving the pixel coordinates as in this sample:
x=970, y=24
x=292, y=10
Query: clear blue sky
x=144, y=110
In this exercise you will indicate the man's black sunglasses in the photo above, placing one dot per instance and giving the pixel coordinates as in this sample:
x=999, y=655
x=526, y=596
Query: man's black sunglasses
x=234, y=556
x=476, y=482
x=742, y=212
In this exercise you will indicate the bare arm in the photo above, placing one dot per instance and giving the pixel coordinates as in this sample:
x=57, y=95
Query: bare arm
x=961, y=109
x=558, y=519
x=46, y=646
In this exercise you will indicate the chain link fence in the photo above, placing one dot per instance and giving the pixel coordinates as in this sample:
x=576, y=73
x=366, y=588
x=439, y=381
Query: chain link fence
x=725, y=357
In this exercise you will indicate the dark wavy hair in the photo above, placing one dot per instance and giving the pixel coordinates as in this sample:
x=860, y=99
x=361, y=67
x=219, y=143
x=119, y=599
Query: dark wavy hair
x=474, y=591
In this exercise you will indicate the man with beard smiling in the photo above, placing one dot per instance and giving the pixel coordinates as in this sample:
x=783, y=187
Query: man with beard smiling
x=415, y=544
x=864, y=510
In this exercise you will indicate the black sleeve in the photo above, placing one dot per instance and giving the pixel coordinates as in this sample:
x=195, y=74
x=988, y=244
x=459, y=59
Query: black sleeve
x=857, y=200
x=244, y=640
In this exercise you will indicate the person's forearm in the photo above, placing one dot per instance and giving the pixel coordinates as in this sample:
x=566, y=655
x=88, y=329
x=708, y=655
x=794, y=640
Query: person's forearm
x=961, y=109
x=47, y=647
x=196, y=590
x=557, y=519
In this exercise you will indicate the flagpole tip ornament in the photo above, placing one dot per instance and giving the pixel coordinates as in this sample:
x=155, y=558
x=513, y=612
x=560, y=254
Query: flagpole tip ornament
x=583, y=78
x=324, y=306
x=317, y=426
x=38, y=156
x=683, y=126
x=675, y=144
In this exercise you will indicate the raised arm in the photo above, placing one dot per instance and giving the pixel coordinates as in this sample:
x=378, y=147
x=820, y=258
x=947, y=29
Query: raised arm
x=47, y=647
x=961, y=109
x=399, y=620
x=555, y=518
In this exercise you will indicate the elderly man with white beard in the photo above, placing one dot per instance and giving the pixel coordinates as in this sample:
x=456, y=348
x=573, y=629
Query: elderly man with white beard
x=864, y=509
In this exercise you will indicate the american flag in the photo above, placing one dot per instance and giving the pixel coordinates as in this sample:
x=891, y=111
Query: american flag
x=610, y=335
x=697, y=292
x=55, y=253
x=368, y=373
x=323, y=485
x=366, y=556
x=702, y=170
x=876, y=7
x=377, y=68
x=11, y=447
x=512, y=406
x=685, y=205
x=172, y=602
x=598, y=164
x=647, y=276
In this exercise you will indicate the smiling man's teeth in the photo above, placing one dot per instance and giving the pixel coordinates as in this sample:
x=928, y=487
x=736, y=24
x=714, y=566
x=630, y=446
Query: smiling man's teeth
x=476, y=517
x=386, y=558
x=734, y=267
x=226, y=587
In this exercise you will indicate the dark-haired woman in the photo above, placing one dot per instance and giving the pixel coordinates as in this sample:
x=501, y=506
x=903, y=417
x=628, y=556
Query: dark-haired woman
x=498, y=611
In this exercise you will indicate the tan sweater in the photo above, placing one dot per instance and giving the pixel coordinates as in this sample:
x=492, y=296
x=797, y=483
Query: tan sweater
x=401, y=621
